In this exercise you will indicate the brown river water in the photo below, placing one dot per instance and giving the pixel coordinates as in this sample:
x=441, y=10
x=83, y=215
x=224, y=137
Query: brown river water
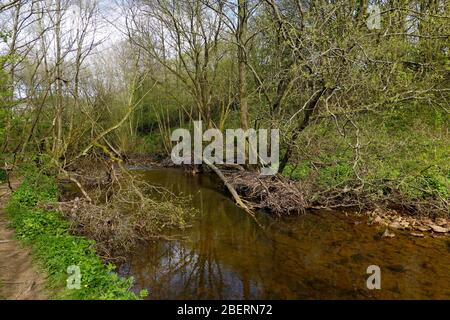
x=319, y=255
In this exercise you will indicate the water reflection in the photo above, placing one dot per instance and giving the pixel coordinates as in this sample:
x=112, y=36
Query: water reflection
x=322, y=255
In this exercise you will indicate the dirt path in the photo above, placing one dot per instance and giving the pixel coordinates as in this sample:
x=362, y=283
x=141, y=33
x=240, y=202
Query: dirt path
x=19, y=278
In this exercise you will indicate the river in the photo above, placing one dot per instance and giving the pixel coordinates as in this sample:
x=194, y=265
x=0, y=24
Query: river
x=319, y=255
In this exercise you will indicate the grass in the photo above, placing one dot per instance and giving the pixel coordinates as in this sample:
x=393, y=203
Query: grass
x=405, y=150
x=56, y=249
x=297, y=172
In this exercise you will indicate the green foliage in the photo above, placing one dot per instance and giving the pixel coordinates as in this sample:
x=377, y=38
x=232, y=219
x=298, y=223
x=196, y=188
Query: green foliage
x=47, y=232
x=404, y=149
x=154, y=143
x=431, y=183
x=297, y=172
x=332, y=176
x=382, y=117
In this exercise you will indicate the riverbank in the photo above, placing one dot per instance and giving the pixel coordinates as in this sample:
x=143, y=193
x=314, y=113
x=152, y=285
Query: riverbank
x=282, y=196
x=55, y=249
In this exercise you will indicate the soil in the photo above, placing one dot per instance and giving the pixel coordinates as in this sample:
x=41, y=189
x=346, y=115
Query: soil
x=20, y=279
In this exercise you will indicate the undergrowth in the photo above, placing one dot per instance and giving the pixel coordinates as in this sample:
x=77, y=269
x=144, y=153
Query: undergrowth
x=56, y=249
x=402, y=157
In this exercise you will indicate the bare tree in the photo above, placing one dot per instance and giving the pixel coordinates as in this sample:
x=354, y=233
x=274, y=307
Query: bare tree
x=184, y=38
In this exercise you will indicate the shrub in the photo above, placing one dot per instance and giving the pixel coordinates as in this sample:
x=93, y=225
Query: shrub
x=297, y=172
x=339, y=174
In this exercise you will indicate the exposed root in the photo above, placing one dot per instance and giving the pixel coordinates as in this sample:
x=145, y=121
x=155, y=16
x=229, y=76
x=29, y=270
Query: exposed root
x=355, y=195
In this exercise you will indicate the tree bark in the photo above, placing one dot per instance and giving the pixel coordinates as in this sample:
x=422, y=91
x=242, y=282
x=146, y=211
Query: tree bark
x=241, y=41
x=309, y=110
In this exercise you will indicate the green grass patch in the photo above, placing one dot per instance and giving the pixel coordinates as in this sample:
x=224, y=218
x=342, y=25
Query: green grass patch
x=336, y=175
x=403, y=152
x=56, y=249
x=297, y=172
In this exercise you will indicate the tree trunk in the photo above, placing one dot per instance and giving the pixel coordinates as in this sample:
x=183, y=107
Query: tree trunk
x=241, y=41
x=57, y=146
x=309, y=110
